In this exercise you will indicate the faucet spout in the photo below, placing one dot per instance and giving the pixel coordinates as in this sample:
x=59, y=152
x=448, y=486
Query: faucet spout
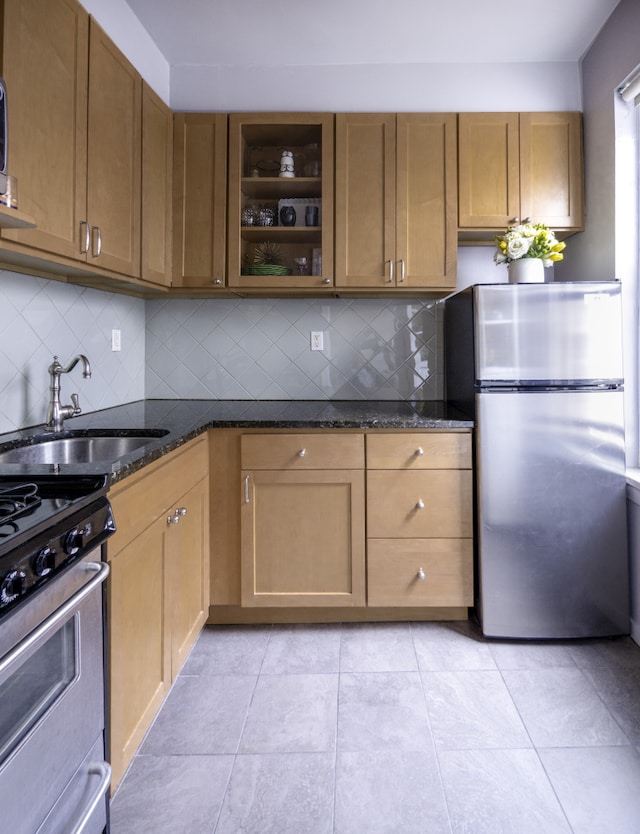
x=57, y=413
x=57, y=369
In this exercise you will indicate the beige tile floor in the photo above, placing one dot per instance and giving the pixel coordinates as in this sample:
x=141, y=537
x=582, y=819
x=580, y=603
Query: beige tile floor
x=412, y=728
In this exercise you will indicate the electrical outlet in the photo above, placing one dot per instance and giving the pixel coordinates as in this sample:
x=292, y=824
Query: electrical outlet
x=317, y=340
x=115, y=340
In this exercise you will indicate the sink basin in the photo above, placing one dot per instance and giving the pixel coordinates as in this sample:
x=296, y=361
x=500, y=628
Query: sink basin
x=88, y=447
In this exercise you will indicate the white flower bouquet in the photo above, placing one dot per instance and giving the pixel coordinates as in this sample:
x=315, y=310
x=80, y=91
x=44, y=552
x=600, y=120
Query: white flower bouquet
x=528, y=240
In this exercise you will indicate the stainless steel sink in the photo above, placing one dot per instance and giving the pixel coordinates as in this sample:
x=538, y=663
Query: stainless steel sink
x=88, y=447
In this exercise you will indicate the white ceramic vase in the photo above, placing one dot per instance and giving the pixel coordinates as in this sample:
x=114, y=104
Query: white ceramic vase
x=526, y=271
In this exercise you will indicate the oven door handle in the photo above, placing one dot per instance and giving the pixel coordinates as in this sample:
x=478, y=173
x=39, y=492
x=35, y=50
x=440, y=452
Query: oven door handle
x=101, y=570
x=103, y=770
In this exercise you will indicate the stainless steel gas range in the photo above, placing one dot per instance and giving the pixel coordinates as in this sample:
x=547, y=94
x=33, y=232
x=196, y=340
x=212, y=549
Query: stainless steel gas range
x=54, y=775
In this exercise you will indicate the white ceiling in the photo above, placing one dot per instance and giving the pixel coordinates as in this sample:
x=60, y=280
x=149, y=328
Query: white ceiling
x=245, y=33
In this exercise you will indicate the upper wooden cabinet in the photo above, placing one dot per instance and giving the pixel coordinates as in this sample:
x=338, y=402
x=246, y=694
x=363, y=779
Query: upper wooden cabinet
x=74, y=135
x=114, y=157
x=257, y=193
x=396, y=200
x=514, y=166
x=45, y=63
x=199, y=200
x=157, y=173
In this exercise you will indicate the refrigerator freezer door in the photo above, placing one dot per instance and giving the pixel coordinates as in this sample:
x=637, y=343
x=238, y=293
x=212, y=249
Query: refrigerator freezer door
x=552, y=544
x=548, y=332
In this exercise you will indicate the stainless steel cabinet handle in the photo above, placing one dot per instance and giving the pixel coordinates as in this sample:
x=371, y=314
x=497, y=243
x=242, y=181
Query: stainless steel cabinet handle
x=96, y=249
x=87, y=237
x=403, y=271
x=420, y=504
x=391, y=271
x=302, y=453
x=246, y=489
x=326, y=280
x=421, y=574
x=217, y=282
x=419, y=452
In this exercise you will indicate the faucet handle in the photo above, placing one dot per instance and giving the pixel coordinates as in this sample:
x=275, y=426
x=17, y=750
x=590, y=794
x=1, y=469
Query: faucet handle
x=75, y=399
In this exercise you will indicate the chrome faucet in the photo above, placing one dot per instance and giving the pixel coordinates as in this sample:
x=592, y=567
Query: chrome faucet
x=57, y=413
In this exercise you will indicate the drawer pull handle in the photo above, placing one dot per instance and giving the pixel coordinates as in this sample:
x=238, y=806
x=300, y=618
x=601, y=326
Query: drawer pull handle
x=246, y=489
x=421, y=574
x=419, y=452
x=420, y=504
x=302, y=453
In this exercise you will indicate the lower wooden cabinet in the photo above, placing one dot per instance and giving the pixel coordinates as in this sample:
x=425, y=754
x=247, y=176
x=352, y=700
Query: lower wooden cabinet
x=158, y=589
x=302, y=525
x=419, y=519
x=331, y=520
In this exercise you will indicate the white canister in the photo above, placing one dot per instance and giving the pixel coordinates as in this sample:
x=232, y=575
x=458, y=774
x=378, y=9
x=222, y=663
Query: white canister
x=286, y=164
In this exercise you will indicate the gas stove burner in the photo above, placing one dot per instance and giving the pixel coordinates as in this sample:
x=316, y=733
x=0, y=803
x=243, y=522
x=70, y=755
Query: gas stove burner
x=17, y=500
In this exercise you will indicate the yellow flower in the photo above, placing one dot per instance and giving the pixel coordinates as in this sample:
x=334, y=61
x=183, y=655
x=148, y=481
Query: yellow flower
x=558, y=247
x=556, y=256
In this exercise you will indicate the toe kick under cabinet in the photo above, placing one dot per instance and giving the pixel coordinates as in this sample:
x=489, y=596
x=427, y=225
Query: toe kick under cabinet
x=373, y=522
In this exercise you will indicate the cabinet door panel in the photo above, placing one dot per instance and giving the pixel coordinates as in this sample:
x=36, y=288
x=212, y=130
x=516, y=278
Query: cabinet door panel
x=188, y=594
x=114, y=156
x=200, y=199
x=303, y=538
x=157, y=162
x=426, y=214
x=489, y=187
x=45, y=66
x=419, y=572
x=394, y=498
x=551, y=169
x=365, y=199
x=139, y=657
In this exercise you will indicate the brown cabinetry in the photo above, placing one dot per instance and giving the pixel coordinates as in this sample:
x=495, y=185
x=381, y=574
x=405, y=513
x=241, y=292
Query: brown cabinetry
x=419, y=519
x=514, y=166
x=200, y=200
x=157, y=171
x=396, y=201
x=257, y=193
x=158, y=589
x=74, y=135
x=302, y=520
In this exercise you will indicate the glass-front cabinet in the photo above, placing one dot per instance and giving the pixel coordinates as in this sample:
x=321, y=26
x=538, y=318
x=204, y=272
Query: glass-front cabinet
x=280, y=222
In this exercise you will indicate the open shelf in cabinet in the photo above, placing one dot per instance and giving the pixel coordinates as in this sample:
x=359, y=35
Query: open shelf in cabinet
x=257, y=193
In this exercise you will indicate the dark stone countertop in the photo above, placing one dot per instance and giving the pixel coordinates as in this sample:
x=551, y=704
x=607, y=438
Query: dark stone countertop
x=185, y=419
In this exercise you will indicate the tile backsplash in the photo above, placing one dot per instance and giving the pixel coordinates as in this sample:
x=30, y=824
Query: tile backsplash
x=260, y=349
x=40, y=318
x=209, y=348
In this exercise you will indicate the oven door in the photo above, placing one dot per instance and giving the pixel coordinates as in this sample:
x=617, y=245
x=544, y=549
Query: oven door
x=53, y=777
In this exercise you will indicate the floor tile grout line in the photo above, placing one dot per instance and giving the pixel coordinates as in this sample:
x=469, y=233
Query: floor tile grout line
x=433, y=741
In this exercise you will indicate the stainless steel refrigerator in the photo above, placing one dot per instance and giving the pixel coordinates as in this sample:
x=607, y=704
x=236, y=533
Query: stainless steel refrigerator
x=539, y=368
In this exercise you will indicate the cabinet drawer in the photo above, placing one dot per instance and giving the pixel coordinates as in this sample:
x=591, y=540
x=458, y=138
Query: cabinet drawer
x=395, y=569
x=140, y=499
x=425, y=450
x=437, y=503
x=302, y=451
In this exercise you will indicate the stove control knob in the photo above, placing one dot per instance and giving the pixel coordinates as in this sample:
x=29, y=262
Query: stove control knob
x=12, y=586
x=74, y=540
x=44, y=562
